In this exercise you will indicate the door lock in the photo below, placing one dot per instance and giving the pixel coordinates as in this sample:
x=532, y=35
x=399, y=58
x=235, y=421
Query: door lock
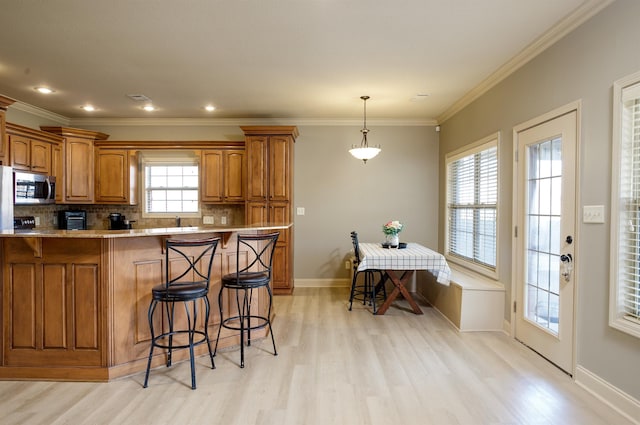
x=567, y=266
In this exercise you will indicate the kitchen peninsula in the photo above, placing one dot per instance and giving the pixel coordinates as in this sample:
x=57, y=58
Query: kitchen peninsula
x=74, y=303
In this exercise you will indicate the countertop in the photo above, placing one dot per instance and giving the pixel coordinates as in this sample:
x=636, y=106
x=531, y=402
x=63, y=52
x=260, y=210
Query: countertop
x=132, y=233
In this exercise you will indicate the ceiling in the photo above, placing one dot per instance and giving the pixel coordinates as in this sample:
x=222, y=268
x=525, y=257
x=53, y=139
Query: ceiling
x=261, y=59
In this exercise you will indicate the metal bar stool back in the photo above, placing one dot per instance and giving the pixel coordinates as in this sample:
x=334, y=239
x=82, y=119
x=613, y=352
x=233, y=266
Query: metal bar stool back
x=187, y=275
x=371, y=289
x=254, y=274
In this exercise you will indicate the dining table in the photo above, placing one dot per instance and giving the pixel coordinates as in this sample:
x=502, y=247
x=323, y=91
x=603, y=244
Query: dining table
x=399, y=265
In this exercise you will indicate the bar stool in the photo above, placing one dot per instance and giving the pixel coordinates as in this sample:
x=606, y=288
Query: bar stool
x=187, y=280
x=368, y=291
x=255, y=274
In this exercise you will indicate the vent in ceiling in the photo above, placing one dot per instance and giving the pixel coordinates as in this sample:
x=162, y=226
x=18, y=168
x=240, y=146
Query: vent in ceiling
x=139, y=97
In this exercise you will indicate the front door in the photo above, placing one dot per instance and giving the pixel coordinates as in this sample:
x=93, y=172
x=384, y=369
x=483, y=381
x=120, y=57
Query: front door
x=545, y=236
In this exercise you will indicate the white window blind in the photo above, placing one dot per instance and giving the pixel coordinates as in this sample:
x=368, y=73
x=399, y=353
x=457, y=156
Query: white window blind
x=472, y=200
x=625, y=297
x=171, y=188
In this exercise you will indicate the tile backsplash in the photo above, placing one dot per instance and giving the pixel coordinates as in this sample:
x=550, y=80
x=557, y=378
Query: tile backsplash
x=98, y=215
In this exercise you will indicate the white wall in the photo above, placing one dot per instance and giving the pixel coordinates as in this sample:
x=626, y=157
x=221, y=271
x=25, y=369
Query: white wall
x=341, y=194
x=582, y=66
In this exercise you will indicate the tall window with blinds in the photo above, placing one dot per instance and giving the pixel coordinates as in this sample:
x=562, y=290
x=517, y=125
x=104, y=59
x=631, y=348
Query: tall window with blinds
x=624, y=308
x=472, y=205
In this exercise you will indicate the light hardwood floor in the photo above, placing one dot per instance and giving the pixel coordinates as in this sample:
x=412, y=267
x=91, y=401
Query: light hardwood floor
x=333, y=367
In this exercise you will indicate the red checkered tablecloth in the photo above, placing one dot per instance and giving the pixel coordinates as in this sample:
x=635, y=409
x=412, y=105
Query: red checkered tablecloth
x=413, y=257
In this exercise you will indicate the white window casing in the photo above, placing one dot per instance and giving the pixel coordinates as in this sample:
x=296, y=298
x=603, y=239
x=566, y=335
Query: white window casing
x=170, y=184
x=471, y=234
x=624, y=286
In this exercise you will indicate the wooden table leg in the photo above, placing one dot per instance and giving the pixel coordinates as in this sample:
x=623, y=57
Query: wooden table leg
x=399, y=288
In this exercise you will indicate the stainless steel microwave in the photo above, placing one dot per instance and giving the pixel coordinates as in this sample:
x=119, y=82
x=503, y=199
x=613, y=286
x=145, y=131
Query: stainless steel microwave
x=32, y=188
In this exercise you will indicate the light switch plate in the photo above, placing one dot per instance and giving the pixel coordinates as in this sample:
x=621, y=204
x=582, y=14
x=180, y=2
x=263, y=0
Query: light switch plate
x=300, y=211
x=593, y=214
x=207, y=219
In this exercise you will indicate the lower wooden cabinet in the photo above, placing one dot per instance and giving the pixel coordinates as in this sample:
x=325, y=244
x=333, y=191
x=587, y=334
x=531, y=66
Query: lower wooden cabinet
x=276, y=212
x=52, y=301
x=76, y=308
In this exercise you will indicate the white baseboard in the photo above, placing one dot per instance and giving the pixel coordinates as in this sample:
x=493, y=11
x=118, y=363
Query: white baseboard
x=614, y=397
x=322, y=283
x=506, y=327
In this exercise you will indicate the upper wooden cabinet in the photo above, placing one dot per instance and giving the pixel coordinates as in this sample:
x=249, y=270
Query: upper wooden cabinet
x=269, y=167
x=5, y=102
x=4, y=141
x=280, y=167
x=20, y=148
x=222, y=175
x=41, y=157
x=57, y=169
x=30, y=149
x=257, y=169
x=79, y=173
x=116, y=175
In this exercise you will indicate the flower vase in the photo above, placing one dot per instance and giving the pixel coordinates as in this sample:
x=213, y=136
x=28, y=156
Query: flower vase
x=393, y=240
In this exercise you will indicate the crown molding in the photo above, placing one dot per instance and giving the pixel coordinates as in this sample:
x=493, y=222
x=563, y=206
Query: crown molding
x=586, y=11
x=234, y=122
x=214, y=122
x=5, y=102
x=42, y=113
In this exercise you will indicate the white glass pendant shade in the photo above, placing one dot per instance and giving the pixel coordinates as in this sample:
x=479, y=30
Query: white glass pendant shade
x=364, y=151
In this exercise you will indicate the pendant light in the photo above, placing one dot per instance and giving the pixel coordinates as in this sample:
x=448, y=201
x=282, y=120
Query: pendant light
x=364, y=151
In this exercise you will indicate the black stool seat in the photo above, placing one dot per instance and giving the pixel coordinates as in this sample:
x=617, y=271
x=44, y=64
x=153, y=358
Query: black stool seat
x=184, y=292
x=247, y=279
x=255, y=274
x=187, y=272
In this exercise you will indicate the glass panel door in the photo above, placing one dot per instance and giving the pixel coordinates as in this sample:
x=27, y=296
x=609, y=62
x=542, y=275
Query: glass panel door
x=544, y=188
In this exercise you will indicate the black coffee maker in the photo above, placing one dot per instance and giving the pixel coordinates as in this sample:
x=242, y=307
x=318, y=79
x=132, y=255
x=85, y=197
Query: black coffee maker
x=118, y=222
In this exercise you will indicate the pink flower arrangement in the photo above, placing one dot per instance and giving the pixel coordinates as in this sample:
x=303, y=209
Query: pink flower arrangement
x=392, y=227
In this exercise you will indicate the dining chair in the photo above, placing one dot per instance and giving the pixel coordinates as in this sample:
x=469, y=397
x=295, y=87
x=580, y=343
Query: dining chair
x=367, y=291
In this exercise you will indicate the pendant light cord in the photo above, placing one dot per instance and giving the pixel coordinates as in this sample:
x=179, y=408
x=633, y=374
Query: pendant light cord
x=364, y=130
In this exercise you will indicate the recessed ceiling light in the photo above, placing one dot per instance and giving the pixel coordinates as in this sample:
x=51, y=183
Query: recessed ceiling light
x=210, y=108
x=44, y=90
x=88, y=108
x=149, y=108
